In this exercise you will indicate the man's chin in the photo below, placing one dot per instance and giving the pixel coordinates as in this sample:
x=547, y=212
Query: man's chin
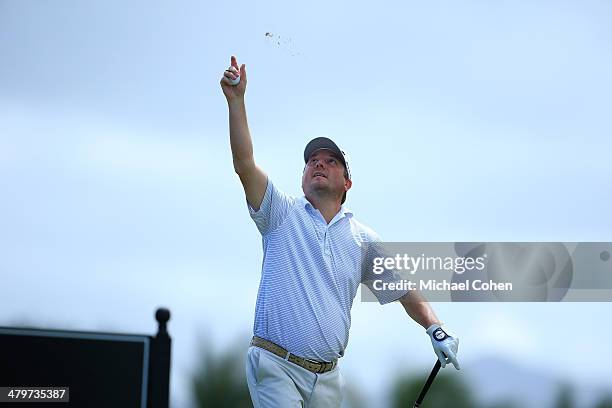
x=321, y=191
x=319, y=188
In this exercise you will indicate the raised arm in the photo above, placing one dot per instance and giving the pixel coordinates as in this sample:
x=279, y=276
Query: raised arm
x=253, y=179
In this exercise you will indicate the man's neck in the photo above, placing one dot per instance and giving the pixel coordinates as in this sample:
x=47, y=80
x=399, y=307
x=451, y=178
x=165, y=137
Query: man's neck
x=327, y=207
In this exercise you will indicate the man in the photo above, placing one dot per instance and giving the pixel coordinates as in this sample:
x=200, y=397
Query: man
x=310, y=273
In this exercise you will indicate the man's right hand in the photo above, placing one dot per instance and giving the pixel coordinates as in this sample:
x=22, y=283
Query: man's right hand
x=234, y=92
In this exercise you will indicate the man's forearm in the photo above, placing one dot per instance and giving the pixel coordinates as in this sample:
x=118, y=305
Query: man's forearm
x=240, y=138
x=445, y=344
x=419, y=309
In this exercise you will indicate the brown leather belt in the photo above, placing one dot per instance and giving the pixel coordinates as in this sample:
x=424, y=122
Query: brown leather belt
x=317, y=367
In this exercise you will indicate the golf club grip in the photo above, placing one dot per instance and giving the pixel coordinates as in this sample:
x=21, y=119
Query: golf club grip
x=430, y=379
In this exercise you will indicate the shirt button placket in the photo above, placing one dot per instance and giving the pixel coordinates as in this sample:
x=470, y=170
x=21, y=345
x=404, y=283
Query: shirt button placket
x=326, y=245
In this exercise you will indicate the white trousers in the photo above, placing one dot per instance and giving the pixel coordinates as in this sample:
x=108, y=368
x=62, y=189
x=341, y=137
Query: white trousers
x=276, y=383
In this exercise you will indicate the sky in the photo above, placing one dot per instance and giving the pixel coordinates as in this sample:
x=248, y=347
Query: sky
x=464, y=121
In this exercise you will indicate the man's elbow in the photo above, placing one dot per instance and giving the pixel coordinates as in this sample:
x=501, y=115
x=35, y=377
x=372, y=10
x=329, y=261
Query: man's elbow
x=412, y=298
x=405, y=299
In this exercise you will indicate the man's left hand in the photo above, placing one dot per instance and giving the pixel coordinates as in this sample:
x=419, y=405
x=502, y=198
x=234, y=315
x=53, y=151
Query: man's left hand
x=445, y=345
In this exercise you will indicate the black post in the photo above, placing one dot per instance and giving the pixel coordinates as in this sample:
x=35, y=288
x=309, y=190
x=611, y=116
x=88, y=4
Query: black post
x=159, y=363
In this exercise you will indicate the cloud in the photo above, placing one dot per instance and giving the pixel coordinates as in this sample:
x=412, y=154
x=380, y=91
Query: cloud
x=499, y=331
x=82, y=144
x=144, y=155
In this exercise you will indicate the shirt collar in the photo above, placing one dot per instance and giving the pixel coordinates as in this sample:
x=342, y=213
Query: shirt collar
x=344, y=210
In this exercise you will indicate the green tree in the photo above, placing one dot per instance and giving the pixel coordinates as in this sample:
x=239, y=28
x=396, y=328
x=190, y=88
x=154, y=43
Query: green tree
x=502, y=404
x=220, y=380
x=447, y=390
x=565, y=397
x=605, y=402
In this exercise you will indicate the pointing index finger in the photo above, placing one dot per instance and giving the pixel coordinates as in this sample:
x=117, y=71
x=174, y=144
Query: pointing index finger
x=453, y=359
x=234, y=63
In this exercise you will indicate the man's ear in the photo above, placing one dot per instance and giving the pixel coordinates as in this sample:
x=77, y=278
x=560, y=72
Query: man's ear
x=347, y=185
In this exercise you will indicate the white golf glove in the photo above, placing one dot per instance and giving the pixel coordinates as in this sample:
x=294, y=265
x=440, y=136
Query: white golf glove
x=445, y=345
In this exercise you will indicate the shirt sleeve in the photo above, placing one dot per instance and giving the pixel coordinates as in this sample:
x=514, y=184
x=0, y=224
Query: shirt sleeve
x=375, y=249
x=273, y=210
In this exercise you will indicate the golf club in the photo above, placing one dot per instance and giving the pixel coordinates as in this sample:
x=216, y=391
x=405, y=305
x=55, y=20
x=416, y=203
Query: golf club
x=425, y=388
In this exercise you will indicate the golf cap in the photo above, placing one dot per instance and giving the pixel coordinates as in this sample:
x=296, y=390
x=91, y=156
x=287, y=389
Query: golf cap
x=325, y=143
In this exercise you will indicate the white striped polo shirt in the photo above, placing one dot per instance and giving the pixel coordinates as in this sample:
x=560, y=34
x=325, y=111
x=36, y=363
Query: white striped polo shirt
x=311, y=271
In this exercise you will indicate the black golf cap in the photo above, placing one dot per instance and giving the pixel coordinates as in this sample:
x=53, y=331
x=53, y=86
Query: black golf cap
x=326, y=143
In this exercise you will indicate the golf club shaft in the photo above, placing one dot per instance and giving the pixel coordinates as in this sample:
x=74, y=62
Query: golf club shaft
x=425, y=388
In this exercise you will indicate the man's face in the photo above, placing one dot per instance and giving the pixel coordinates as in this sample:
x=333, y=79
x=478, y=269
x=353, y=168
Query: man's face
x=324, y=174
